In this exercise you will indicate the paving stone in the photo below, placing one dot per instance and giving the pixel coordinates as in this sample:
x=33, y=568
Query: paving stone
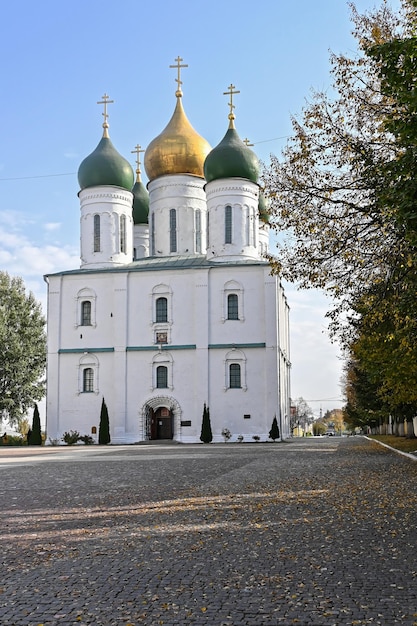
x=312, y=531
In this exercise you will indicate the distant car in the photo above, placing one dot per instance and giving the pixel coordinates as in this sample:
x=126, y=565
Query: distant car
x=330, y=433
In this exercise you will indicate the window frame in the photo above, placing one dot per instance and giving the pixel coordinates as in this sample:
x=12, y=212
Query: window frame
x=88, y=363
x=85, y=295
x=235, y=358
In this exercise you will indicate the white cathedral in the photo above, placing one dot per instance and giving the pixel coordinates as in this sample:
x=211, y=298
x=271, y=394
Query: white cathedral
x=174, y=306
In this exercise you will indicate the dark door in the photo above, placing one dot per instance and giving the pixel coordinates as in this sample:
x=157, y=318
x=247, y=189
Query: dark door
x=163, y=420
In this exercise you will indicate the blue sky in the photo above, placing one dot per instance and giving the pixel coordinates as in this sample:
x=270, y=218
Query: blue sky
x=60, y=58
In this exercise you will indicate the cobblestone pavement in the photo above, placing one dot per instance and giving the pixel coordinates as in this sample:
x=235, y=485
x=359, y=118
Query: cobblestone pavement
x=315, y=531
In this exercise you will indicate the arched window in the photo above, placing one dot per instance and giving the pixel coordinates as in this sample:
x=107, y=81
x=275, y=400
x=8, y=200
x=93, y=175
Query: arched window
x=228, y=224
x=123, y=234
x=161, y=312
x=235, y=370
x=172, y=230
x=234, y=376
x=97, y=233
x=233, y=301
x=232, y=306
x=88, y=379
x=86, y=300
x=161, y=377
x=86, y=313
x=198, y=230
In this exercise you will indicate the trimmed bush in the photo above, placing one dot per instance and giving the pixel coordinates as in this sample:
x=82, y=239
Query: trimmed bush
x=206, y=433
x=104, y=428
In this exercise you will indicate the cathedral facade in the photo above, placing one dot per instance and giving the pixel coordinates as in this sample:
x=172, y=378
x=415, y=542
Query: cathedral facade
x=173, y=306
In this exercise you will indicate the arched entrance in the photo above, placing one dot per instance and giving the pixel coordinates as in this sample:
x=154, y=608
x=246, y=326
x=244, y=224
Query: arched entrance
x=161, y=423
x=161, y=418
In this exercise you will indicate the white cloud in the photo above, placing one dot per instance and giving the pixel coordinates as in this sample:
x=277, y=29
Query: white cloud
x=50, y=226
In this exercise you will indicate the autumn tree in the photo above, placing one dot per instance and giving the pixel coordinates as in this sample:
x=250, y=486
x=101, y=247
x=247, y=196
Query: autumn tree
x=334, y=234
x=302, y=415
x=22, y=349
x=346, y=194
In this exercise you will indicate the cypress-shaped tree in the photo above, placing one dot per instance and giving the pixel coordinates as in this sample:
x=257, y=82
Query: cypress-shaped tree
x=274, y=432
x=35, y=437
x=104, y=428
x=206, y=434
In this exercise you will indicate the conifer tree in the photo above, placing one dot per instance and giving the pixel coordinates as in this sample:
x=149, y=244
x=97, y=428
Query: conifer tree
x=206, y=433
x=274, y=432
x=104, y=428
x=35, y=437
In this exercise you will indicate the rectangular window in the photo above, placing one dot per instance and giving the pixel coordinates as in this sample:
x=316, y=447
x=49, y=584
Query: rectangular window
x=161, y=377
x=207, y=230
x=88, y=379
x=173, y=230
x=161, y=310
x=86, y=313
x=198, y=230
x=232, y=307
x=97, y=233
x=234, y=373
x=228, y=225
x=123, y=234
x=152, y=219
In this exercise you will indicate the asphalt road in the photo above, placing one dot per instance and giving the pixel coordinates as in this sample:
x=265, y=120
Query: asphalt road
x=315, y=531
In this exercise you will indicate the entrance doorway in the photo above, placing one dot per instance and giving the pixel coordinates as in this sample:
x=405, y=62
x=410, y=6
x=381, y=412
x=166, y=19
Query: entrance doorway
x=161, y=423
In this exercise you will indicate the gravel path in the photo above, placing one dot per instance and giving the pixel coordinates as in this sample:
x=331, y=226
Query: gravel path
x=312, y=532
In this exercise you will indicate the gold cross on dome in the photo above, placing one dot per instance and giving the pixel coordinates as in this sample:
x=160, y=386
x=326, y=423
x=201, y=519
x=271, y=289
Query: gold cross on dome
x=105, y=100
x=247, y=142
x=178, y=79
x=138, y=149
x=231, y=93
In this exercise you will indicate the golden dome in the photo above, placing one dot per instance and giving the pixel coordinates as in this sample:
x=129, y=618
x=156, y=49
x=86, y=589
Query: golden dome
x=179, y=149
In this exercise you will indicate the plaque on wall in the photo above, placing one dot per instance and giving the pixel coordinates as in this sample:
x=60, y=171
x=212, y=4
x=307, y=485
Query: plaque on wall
x=186, y=423
x=162, y=337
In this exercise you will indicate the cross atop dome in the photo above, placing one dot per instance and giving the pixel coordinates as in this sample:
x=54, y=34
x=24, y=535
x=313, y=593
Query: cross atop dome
x=105, y=100
x=138, y=149
x=178, y=80
x=231, y=93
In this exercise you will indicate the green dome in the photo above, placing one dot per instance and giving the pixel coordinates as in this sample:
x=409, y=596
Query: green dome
x=140, y=203
x=263, y=209
x=231, y=159
x=105, y=166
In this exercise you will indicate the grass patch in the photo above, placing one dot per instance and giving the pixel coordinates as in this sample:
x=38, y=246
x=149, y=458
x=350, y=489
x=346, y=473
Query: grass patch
x=399, y=443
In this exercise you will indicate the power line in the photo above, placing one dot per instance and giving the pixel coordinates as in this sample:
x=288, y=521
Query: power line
x=74, y=173
x=40, y=176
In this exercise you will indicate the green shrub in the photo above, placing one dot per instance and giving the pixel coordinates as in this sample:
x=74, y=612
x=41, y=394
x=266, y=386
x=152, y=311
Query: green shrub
x=71, y=437
x=87, y=439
